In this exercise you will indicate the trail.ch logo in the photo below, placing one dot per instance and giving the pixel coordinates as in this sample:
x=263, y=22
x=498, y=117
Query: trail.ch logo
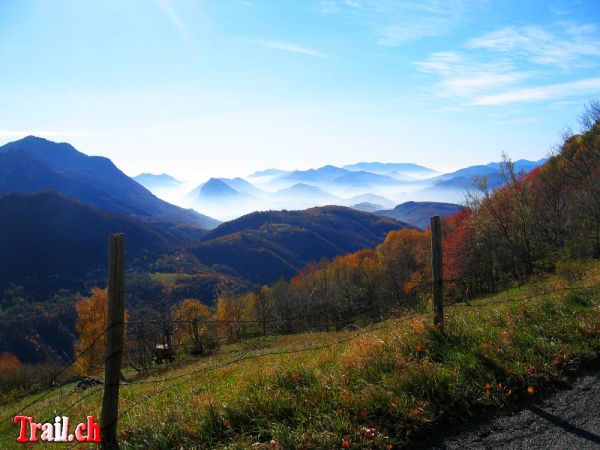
x=58, y=431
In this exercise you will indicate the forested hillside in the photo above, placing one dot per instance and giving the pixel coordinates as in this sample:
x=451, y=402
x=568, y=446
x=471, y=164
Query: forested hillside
x=265, y=246
x=533, y=222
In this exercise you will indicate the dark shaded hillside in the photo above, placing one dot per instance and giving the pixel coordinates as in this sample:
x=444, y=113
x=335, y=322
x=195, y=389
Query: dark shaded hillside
x=46, y=235
x=51, y=247
x=265, y=246
x=34, y=164
x=419, y=213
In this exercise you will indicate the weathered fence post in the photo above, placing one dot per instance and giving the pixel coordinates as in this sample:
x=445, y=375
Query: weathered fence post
x=114, y=341
x=437, y=269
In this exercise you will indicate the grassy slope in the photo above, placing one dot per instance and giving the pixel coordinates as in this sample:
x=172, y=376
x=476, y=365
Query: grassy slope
x=376, y=387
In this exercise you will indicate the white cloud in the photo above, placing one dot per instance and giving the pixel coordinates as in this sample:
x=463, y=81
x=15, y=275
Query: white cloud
x=566, y=43
x=463, y=76
x=400, y=33
x=289, y=47
x=585, y=87
x=513, y=64
x=396, y=22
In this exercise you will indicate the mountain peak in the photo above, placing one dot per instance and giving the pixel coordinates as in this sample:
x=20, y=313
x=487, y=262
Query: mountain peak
x=32, y=138
x=39, y=144
x=214, y=186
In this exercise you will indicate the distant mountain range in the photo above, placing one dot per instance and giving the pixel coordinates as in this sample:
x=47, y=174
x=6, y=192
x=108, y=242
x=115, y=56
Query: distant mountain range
x=419, y=213
x=398, y=169
x=162, y=181
x=463, y=178
x=306, y=194
x=335, y=176
x=366, y=186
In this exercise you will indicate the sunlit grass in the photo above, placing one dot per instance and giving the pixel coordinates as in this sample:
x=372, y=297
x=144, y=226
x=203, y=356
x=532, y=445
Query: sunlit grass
x=377, y=388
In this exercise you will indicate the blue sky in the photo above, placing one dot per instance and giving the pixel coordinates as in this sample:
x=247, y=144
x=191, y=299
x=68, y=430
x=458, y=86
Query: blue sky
x=226, y=87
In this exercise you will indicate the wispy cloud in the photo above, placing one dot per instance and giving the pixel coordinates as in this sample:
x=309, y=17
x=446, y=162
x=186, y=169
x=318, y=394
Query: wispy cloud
x=395, y=22
x=514, y=64
x=294, y=48
x=585, y=87
x=400, y=33
x=566, y=43
x=172, y=16
x=463, y=76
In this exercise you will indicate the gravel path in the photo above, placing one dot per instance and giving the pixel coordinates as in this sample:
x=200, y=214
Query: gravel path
x=569, y=419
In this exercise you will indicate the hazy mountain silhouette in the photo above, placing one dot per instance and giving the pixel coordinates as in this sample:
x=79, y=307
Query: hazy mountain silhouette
x=268, y=173
x=385, y=202
x=215, y=188
x=391, y=168
x=242, y=186
x=419, y=213
x=163, y=181
x=367, y=207
x=325, y=174
x=365, y=178
x=463, y=178
x=306, y=191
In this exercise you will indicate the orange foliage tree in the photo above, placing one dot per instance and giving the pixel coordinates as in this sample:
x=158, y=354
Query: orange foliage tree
x=191, y=318
x=229, y=315
x=92, y=318
x=404, y=259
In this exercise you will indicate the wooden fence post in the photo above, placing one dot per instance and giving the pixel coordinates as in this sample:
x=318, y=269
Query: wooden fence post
x=114, y=341
x=437, y=269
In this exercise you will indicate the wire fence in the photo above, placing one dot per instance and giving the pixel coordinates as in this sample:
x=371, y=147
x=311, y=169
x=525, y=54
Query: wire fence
x=252, y=348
